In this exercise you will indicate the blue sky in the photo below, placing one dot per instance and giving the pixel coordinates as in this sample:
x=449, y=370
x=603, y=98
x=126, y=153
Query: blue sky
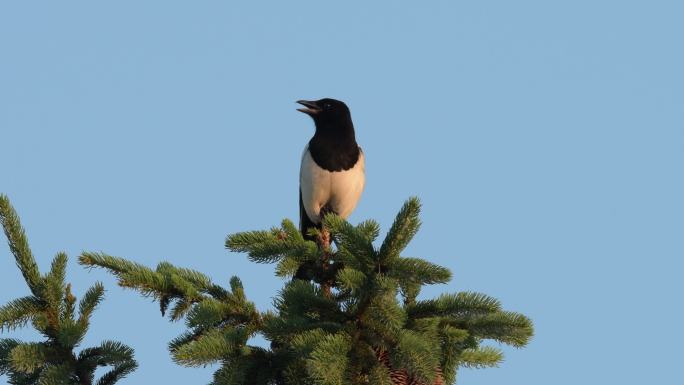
x=545, y=139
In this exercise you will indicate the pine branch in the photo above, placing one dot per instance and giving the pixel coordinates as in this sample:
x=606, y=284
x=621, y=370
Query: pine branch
x=354, y=243
x=197, y=280
x=252, y=366
x=328, y=361
x=210, y=347
x=287, y=267
x=418, y=271
x=403, y=230
x=304, y=298
x=185, y=338
x=54, y=295
x=6, y=346
x=166, y=284
x=464, y=303
x=483, y=357
x=109, y=353
x=114, y=353
x=180, y=309
x=237, y=288
x=19, y=311
x=274, y=245
x=453, y=343
x=115, y=265
x=506, y=327
x=211, y=312
x=18, y=243
x=351, y=279
x=89, y=302
x=68, y=304
x=119, y=372
x=28, y=357
x=417, y=355
x=370, y=230
x=303, y=343
x=70, y=333
x=383, y=315
x=380, y=375
x=56, y=375
x=58, y=269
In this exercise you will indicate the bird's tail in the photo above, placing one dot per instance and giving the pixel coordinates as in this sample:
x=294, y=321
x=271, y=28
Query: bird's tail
x=304, y=226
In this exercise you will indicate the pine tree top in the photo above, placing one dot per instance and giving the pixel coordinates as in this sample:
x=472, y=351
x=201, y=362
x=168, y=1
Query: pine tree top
x=52, y=310
x=356, y=318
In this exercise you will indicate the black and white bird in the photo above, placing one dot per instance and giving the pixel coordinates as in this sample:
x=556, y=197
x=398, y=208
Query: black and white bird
x=331, y=177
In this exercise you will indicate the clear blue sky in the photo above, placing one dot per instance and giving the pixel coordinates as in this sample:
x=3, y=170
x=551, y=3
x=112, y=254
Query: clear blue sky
x=545, y=139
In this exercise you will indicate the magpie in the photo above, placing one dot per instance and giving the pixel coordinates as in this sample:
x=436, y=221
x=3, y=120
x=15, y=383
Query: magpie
x=331, y=176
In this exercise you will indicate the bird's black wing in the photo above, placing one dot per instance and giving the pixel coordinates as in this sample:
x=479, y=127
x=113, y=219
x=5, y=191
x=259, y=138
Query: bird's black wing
x=304, y=222
x=305, y=271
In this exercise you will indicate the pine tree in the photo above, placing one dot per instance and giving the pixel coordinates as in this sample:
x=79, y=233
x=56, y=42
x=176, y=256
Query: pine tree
x=51, y=308
x=357, y=320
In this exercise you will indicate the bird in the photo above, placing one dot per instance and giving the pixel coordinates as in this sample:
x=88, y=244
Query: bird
x=332, y=172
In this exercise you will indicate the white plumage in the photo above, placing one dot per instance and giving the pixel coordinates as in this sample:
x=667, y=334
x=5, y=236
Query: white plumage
x=339, y=190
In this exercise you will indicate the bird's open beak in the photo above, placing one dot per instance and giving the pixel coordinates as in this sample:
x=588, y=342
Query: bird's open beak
x=311, y=107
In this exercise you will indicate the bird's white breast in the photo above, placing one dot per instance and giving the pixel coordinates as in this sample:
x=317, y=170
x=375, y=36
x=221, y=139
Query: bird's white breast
x=340, y=190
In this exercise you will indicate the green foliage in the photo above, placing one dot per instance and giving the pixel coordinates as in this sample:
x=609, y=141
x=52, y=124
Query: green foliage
x=50, y=309
x=18, y=243
x=344, y=325
x=220, y=321
x=417, y=353
x=19, y=311
x=481, y=357
x=89, y=302
x=403, y=229
x=327, y=362
x=464, y=303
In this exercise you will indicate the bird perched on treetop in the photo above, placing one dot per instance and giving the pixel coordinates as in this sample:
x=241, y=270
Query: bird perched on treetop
x=331, y=177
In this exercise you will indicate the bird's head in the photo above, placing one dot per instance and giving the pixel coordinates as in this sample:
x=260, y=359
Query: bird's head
x=327, y=113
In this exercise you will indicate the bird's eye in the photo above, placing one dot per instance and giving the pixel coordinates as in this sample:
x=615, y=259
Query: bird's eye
x=327, y=106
